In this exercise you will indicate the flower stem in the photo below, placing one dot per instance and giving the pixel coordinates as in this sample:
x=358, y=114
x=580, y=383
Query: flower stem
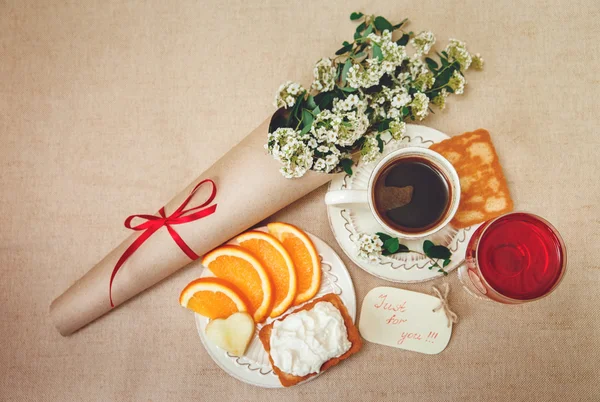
x=431, y=261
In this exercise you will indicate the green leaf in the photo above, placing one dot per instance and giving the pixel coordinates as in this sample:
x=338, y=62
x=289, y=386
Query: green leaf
x=384, y=125
x=356, y=15
x=346, y=164
x=324, y=99
x=427, y=244
x=446, y=262
x=383, y=24
x=361, y=27
x=383, y=236
x=439, y=252
x=310, y=102
x=345, y=43
x=307, y=121
x=403, y=40
x=296, y=107
x=392, y=245
x=347, y=66
x=402, y=249
x=316, y=110
x=348, y=89
x=444, y=62
x=379, y=142
x=345, y=49
x=367, y=31
x=443, y=78
x=431, y=64
x=399, y=25
x=405, y=111
x=377, y=53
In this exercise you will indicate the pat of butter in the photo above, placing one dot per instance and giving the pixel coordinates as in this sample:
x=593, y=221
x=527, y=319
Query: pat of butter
x=303, y=341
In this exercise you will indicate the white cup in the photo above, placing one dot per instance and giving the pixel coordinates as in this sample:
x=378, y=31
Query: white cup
x=342, y=197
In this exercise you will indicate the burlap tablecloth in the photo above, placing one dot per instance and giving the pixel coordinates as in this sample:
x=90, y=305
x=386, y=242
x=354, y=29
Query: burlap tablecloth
x=109, y=108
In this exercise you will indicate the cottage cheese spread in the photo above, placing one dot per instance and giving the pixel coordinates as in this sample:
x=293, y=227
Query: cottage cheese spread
x=303, y=341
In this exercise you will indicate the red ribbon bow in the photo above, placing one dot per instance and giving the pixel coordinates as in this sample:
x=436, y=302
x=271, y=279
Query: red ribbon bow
x=153, y=223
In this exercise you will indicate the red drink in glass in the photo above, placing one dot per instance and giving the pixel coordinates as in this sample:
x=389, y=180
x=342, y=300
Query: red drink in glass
x=514, y=258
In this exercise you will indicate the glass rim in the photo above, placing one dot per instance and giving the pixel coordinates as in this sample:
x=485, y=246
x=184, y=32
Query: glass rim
x=561, y=243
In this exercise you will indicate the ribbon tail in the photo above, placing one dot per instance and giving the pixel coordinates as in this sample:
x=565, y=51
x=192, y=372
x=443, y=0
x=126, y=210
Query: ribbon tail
x=130, y=250
x=182, y=245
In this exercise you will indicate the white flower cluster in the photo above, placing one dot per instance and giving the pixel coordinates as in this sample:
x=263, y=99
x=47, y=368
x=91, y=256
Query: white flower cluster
x=360, y=76
x=477, y=61
x=287, y=94
x=354, y=119
x=392, y=55
x=423, y=42
x=350, y=103
x=389, y=102
x=324, y=73
x=457, y=51
x=422, y=78
x=419, y=106
x=327, y=158
x=457, y=83
x=440, y=99
x=397, y=129
x=326, y=126
x=344, y=125
x=286, y=147
x=370, y=149
x=369, y=247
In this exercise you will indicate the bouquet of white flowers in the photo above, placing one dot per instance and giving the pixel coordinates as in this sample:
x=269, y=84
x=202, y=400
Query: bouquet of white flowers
x=372, y=86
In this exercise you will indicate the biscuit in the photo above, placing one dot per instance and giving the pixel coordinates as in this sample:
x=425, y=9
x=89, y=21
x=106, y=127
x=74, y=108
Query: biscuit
x=484, y=192
x=287, y=380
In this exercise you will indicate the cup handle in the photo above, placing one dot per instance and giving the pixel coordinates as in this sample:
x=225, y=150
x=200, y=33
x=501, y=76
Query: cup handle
x=340, y=197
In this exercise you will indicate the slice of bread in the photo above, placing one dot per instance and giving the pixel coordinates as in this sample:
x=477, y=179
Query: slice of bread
x=484, y=191
x=287, y=380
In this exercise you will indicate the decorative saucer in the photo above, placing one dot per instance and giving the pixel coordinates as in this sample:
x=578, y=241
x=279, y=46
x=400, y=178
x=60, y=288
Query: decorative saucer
x=349, y=221
x=254, y=367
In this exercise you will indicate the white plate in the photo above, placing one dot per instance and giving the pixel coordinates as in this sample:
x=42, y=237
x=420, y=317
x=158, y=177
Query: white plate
x=254, y=368
x=349, y=221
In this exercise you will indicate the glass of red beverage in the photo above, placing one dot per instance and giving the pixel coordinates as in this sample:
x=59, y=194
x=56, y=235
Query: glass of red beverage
x=515, y=258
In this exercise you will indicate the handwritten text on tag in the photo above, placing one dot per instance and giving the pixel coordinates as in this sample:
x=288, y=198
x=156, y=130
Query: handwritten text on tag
x=405, y=320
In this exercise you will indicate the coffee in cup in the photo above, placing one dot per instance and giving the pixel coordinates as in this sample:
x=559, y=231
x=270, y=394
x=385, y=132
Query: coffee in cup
x=412, y=192
x=423, y=203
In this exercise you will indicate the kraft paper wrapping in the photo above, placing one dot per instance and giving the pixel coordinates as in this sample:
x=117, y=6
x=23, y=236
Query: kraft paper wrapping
x=249, y=189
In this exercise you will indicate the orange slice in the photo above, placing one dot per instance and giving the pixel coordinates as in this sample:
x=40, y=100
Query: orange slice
x=305, y=258
x=279, y=265
x=212, y=298
x=245, y=272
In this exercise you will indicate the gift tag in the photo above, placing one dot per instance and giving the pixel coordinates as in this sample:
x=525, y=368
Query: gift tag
x=404, y=319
